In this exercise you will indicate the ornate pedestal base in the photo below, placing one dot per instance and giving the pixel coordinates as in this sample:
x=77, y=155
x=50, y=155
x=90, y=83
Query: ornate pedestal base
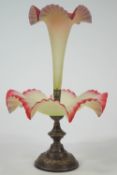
x=56, y=159
x=50, y=162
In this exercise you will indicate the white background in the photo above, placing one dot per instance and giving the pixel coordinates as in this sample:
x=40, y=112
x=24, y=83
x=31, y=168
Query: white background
x=90, y=63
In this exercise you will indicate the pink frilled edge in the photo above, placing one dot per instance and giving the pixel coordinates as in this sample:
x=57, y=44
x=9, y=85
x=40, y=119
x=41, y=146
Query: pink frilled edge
x=34, y=100
x=80, y=14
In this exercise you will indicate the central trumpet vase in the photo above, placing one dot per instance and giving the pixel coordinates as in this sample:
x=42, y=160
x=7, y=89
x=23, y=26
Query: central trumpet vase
x=56, y=159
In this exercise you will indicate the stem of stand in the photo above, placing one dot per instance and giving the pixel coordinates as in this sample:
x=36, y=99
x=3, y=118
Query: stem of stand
x=57, y=94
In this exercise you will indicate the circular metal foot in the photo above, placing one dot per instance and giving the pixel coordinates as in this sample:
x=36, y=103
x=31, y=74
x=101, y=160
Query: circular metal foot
x=57, y=163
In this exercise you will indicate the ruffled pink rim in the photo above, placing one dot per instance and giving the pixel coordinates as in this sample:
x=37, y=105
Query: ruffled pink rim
x=101, y=99
x=80, y=14
x=13, y=93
